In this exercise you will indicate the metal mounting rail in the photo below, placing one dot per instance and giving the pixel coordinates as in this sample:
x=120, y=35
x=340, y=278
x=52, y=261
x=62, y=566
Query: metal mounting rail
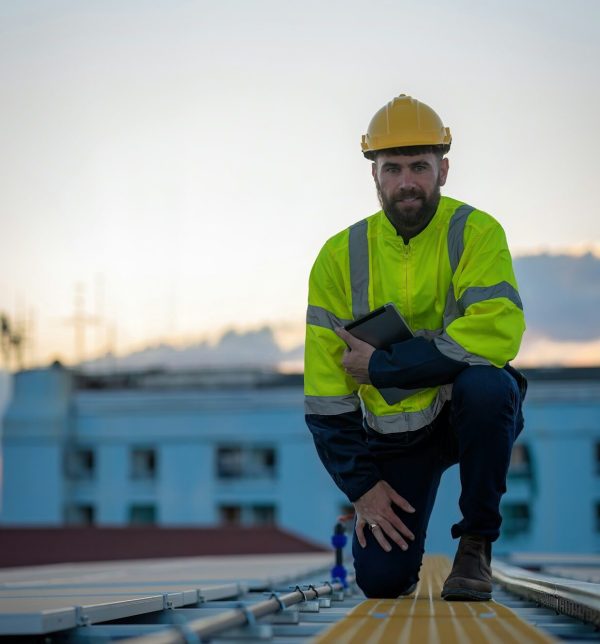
x=578, y=599
x=200, y=629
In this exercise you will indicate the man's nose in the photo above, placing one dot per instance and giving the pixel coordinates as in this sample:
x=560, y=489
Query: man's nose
x=406, y=180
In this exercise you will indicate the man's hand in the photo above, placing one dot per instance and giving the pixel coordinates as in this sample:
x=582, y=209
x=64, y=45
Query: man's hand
x=356, y=357
x=375, y=508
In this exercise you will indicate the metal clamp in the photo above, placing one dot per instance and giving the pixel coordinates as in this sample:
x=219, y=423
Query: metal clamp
x=278, y=599
x=304, y=598
x=312, y=587
x=248, y=614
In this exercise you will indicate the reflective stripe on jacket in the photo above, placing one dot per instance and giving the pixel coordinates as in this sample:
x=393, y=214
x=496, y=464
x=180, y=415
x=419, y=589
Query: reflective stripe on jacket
x=454, y=284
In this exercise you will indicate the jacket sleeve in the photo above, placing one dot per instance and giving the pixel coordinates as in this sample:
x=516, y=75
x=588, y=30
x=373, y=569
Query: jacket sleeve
x=413, y=364
x=332, y=406
x=484, y=321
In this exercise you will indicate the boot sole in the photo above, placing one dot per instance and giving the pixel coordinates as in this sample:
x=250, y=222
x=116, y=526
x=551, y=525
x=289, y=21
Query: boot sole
x=465, y=595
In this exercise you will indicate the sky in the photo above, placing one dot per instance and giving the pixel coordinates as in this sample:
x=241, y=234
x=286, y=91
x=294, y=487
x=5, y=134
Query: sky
x=184, y=161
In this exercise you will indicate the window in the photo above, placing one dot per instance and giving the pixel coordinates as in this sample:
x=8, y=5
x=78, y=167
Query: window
x=597, y=463
x=230, y=514
x=235, y=462
x=142, y=514
x=80, y=464
x=597, y=508
x=79, y=514
x=248, y=515
x=520, y=462
x=262, y=514
x=143, y=464
x=516, y=518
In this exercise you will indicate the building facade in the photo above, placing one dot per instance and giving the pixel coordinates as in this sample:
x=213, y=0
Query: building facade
x=232, y=449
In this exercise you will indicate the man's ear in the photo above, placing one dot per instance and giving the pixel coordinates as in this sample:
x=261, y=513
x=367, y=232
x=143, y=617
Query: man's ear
x=373, y=169
x=444, y=167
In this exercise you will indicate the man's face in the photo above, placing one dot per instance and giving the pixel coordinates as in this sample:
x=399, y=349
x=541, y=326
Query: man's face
x=409, y=187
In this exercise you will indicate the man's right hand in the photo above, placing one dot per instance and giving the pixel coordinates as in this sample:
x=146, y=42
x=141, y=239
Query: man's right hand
x=375, y=508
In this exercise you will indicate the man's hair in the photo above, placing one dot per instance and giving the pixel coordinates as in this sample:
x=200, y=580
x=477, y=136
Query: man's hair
x=413, y=150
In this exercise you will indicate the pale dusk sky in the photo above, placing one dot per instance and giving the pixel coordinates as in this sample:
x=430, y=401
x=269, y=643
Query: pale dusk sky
x=185, y=161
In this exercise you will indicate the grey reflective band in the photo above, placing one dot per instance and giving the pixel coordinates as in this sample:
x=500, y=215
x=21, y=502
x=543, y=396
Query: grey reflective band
x=451, y=311
x=318, y=316
x=456, y=234
x=476, y=294
x=358, y=249
x=451, y=349
x=428, y=334
x=412, y=420
x=331, y=405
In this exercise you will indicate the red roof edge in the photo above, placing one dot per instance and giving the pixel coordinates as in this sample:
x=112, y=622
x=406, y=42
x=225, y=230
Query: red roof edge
x=28, y=546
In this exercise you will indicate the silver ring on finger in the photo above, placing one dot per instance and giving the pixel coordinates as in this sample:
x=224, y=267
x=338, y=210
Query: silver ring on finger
x=373, y=526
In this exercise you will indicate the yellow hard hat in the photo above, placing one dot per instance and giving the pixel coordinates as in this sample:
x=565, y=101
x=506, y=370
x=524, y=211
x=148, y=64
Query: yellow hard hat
x=405, y=122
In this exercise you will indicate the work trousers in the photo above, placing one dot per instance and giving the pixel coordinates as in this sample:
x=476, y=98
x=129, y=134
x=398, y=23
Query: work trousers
x=475, y=429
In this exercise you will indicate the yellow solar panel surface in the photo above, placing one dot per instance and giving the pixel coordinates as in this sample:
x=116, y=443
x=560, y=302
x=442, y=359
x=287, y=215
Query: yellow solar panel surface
x=425, y=618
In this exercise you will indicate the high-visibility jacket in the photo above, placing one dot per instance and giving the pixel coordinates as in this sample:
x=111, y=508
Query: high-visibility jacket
x=454, y=284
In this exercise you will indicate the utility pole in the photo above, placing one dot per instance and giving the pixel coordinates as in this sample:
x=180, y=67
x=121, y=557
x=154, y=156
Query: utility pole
x=5, y=343
x=12, y=341
x=79, y=321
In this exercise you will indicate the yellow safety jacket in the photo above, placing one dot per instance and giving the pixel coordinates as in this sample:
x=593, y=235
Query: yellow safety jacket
x=454, y=284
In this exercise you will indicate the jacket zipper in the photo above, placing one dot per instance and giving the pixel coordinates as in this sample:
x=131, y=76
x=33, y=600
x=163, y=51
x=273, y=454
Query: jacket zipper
x=406, y=264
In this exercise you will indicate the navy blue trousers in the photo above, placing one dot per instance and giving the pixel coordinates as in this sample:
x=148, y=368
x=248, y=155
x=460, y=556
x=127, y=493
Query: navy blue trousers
x=476, y=429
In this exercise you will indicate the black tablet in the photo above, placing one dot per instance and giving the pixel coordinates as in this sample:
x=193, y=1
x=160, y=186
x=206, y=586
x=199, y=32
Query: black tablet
x=381, y=328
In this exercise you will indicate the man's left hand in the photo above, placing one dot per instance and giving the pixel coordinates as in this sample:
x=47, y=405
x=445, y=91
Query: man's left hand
x=356, y=358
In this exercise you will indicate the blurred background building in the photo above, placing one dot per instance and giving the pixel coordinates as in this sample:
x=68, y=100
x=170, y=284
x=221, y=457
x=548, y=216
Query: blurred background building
x=205, y=448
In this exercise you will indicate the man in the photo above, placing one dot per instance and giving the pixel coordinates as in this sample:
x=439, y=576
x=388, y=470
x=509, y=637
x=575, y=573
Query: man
x=446, y=266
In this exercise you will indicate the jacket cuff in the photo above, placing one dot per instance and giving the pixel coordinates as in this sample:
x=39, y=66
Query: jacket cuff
x=412, y=364
x=355, y=491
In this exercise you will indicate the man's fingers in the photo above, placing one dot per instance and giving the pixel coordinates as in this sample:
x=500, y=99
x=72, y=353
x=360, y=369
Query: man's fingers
x=398, y=500
x=348, y=338
x=380, y=538
x=397, y=524
x=403, y=503
x=391, y=531
x=394, y=529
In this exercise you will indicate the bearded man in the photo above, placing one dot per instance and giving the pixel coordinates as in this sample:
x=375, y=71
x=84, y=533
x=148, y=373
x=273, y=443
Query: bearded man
x=446, y=266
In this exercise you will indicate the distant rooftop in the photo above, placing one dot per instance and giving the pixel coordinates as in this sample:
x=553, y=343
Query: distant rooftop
x=562, y=373
x=254, y=378
x=198, y=379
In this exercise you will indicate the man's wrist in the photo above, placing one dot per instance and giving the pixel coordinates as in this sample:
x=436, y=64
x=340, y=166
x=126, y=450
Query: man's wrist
x=355, y=494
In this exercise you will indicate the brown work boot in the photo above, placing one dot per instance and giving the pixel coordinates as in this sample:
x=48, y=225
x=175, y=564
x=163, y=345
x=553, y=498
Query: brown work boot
x=471, y=575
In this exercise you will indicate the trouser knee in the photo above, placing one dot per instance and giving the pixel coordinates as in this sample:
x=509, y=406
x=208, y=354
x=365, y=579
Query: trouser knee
x=381, y=574
x=485, y=396
x=385, y=584
x=485, y=388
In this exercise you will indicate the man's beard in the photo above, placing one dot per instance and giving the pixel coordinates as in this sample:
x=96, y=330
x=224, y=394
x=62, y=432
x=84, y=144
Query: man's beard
x=410, y=216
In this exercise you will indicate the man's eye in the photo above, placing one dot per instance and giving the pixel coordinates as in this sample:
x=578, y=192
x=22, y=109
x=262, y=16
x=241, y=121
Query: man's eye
x=420, y=167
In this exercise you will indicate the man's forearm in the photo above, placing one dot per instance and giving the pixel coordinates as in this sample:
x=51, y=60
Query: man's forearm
x=343, y=450
x=413, y=364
